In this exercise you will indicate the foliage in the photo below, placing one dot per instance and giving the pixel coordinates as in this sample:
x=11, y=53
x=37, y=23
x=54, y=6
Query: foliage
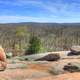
x=34, y=45
x=20, y=31
x=54, y=36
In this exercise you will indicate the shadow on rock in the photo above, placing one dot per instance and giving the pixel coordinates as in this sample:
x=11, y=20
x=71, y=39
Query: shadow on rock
x=49, y=57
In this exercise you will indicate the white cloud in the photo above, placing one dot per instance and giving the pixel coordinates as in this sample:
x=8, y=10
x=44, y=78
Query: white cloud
x=14, y=19
x=9, y=19
x=58, y=11
x=20, y=2
x=56, y=6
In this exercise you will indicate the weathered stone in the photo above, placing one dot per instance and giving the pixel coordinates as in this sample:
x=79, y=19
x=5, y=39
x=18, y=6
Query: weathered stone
x=3, y=62
x=73, y=53
x=71, y=68
x=49, y=57
x=75, y=48
x=9, y=54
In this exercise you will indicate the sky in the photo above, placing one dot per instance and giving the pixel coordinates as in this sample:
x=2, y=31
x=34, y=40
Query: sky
x=59, y=11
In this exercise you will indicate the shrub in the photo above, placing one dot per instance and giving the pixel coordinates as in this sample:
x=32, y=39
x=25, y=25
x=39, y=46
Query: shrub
x=34, y=46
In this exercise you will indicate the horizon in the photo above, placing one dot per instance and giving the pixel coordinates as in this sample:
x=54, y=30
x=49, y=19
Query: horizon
x=40, y=11
x=41, y=23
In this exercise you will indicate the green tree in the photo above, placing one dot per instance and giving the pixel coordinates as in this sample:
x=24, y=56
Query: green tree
x=35, y=46
x=20, y=33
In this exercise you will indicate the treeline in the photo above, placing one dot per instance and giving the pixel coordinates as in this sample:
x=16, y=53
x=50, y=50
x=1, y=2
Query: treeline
x=53, y=36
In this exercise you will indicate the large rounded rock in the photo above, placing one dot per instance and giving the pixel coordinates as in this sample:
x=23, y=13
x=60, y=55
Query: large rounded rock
x=75, y=48
x=49, y=57
x=3, y=61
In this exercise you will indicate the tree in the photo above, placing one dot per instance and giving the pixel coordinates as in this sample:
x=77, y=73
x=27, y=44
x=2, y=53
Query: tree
x=20, y=34
x=34, y=46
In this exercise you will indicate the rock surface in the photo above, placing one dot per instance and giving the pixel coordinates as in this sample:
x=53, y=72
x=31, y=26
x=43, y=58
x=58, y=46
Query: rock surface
x=3, y=60
x=71, y=68
x=75, y=48
x=73, y=53
x=49, y=57
x=34, y=70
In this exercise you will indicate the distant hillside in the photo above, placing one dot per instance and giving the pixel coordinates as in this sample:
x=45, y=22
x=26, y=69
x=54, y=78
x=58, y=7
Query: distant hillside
x=54, y=36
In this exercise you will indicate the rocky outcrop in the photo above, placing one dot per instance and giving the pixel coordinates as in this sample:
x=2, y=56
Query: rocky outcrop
x=49, y=57
x=73, y=53
x=3, y=61
x=75, y=50
x=71, y=68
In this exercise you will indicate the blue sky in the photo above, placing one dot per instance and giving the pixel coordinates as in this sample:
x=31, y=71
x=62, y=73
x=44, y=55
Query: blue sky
x=60, y=11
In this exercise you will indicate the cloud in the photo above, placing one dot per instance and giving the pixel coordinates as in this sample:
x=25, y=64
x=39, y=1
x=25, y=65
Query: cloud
x=54, y=7
x=9, y=19
x=58, y=10
x=18, y=2
x=14, y=19
x=64, y=9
